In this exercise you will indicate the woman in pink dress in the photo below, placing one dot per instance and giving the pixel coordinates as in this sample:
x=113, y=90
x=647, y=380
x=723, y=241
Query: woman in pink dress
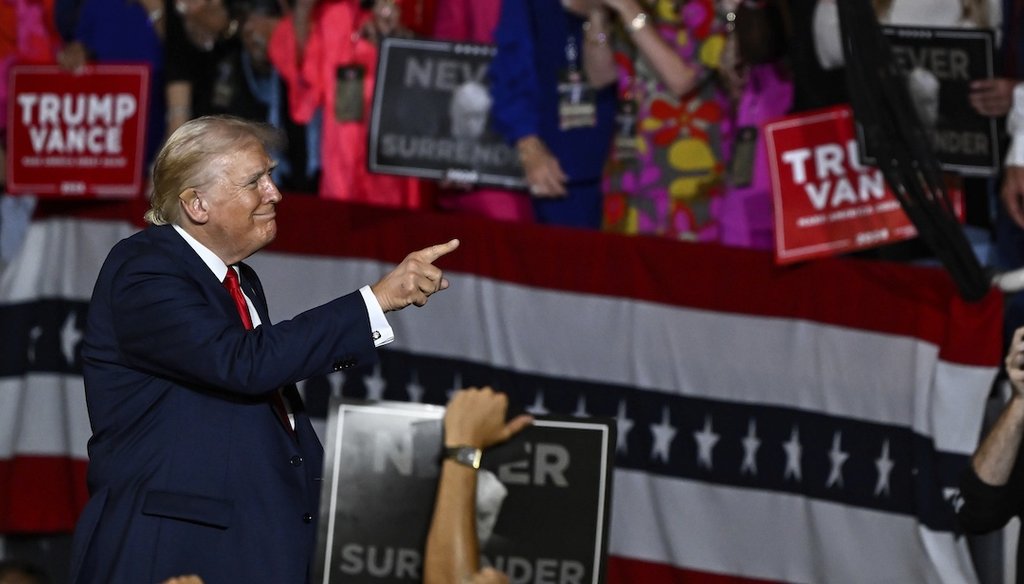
x=326, y=51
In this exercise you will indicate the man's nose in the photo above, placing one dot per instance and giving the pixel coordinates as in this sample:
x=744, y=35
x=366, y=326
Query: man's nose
x=271, y=193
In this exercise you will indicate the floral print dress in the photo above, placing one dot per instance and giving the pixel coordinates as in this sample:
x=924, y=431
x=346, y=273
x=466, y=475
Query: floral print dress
x=664, y=176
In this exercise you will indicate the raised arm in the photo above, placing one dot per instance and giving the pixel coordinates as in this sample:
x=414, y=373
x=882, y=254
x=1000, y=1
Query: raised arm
x=679, y=76
x=990, y=488
x=997, y=454
x=474, y=419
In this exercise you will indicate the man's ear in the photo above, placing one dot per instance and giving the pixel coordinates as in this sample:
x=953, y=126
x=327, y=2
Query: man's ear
x=194, y=206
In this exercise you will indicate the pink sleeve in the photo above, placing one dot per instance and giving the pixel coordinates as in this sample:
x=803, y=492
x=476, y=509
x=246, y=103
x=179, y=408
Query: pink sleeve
x=304, y=90
x=451, y=23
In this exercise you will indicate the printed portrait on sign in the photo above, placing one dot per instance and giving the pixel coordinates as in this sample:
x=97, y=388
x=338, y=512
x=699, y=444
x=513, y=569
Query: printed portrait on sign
x=923, y=86
x=469, y=111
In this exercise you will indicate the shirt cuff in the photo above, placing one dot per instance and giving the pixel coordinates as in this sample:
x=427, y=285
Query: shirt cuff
x=1015, y=128
x=379, y=327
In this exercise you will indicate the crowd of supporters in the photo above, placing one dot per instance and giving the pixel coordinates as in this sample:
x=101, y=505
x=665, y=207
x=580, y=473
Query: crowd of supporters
x=633, y=116
x=637, y=117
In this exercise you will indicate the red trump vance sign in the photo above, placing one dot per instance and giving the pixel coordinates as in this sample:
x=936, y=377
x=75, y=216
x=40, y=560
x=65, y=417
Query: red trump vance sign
x=77, y=134
x=825, y=201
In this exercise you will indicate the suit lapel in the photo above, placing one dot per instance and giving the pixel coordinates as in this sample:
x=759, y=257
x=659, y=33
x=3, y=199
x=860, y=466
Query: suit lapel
x=166, y=237
x=254, y=290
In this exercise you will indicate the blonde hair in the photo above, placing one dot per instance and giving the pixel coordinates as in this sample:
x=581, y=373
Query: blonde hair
x=185, y=160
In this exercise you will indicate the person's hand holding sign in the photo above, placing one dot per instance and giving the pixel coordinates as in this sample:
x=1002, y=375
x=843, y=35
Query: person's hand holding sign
x=992, y=97
x=73, y=56
x=543, y=172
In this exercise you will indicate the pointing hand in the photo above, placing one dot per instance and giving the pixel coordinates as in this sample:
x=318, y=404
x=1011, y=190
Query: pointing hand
x=413, y=280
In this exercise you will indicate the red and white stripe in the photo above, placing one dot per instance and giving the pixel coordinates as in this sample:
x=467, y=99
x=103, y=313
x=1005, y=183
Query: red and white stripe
x=881, y=343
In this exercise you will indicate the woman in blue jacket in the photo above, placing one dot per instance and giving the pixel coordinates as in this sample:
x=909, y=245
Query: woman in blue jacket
x=554, y=98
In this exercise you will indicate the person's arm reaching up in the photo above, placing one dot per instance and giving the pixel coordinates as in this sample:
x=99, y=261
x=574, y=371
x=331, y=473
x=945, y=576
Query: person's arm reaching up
x=474, y=419
x=997, y=454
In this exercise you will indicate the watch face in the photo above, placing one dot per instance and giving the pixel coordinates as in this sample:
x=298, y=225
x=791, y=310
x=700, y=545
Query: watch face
x=466, y=455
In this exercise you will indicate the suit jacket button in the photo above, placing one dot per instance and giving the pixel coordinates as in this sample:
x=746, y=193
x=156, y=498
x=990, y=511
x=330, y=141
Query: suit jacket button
x=296, y=460
x=307, y=518
x=344, y=363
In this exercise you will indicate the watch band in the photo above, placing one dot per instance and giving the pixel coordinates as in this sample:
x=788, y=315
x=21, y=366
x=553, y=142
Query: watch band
x=465, y=455
x=638, y=23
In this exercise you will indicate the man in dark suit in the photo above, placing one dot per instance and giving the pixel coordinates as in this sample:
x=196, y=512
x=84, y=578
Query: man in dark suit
x=202, y=459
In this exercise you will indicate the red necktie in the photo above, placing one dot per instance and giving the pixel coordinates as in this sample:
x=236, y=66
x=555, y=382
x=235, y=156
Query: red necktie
x=231, y=283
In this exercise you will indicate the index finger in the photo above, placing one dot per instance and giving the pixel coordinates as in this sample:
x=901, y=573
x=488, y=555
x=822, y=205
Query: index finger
x=432, y=253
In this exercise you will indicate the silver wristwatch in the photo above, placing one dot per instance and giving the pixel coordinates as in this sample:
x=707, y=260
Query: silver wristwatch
x=465, y=455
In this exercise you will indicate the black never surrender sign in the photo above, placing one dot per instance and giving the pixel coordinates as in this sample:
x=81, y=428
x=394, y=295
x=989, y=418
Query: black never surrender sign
x=380, y=478
x=940, y=64
x=431, y=115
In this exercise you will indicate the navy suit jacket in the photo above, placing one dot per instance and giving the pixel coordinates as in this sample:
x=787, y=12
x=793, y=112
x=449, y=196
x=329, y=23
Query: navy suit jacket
x=190, y=470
